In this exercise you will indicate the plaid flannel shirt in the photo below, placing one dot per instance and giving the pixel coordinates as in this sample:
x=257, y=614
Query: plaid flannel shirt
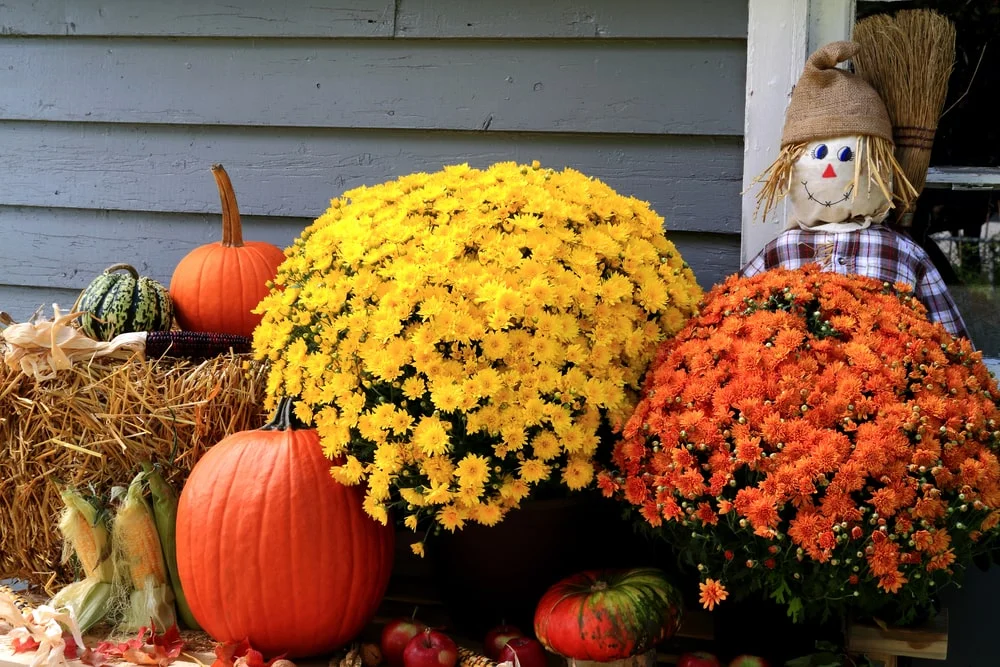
x=877, y=252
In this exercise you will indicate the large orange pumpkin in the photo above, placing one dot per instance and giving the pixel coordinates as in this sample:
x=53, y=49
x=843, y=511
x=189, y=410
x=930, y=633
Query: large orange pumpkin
x=216, y=286
x=272, y=549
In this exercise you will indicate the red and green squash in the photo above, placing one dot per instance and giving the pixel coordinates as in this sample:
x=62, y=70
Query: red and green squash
x=116, y=303
x=608, y=615
x=272, y=549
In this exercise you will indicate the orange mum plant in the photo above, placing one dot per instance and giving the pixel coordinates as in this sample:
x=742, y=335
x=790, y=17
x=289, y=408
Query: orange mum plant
x=815, y=437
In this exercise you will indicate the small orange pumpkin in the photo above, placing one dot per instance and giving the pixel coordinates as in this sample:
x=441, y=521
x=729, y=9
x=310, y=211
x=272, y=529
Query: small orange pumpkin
x=216, y=286
x=270, y=548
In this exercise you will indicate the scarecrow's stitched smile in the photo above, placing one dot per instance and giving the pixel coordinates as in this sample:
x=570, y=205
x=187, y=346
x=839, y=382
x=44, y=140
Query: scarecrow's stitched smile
x=847, y=195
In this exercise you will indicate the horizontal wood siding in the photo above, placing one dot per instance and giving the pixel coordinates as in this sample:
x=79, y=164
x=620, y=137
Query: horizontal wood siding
x=563, y=86
x=113, y=111
x=671, y=19
x=295, y=172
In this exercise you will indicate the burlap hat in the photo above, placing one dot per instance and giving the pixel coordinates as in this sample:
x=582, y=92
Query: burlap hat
x=831, y=102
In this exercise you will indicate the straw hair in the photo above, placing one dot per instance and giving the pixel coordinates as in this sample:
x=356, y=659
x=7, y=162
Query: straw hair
x=93, y=425
x=884, y=173
x=908, y=59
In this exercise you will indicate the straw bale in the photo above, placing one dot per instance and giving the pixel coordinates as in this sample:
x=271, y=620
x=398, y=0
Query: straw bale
x=93, y=425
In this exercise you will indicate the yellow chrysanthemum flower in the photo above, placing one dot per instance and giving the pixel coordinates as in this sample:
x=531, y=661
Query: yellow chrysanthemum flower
x=457, y=336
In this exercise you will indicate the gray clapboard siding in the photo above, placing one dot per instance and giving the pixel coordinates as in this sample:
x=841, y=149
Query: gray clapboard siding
x=572, y=18
x=66, y=248
x=262, y=18
x=592, y=86
x=692, y=181
x=379, y=18
x=22, y=302
x=712, y=258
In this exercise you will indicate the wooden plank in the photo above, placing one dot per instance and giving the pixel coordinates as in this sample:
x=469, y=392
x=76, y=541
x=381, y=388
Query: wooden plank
x=42, y=277
x=204, y=18
x=692, y=181
x=614, y=86
x=374, y=18
x=929, y=641
x=964, y=178
x=21, y=302
x=63, y=250
x=573, y=18
x=776, y=52
x=67, y=248
x=713, y=257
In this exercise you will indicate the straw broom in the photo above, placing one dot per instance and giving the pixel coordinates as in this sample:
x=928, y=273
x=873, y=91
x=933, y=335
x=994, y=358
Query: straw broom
x=908, y=59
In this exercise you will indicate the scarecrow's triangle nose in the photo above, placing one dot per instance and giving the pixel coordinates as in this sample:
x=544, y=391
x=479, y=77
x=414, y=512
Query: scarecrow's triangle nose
x=829, y=173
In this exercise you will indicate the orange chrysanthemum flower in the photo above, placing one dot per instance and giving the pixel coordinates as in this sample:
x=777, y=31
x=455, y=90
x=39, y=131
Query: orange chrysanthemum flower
x=824, y=416
x=712, y=593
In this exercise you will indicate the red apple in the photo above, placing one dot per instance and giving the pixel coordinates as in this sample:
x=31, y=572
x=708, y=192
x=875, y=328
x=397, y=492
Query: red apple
x=748, y=661
x=497, y=638
x=395, y=636
x=527, y=651
x=430, y=648
x=698, y=659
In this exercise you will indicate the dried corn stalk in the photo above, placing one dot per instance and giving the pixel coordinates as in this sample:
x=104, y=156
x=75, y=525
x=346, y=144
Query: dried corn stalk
x=42, y=348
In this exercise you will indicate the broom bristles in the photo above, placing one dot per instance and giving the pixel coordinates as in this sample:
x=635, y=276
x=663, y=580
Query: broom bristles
x=908, y=58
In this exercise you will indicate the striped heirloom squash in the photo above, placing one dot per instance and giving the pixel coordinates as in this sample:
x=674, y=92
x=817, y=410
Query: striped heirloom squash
x=608, y=615
x=116, y=303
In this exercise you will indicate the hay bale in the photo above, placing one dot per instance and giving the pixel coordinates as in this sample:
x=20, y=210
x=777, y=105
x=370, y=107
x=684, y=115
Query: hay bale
x=91, y=427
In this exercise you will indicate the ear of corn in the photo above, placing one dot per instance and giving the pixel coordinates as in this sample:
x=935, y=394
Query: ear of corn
x=12, y=599
x=85, y=534
x=139, y=566
x=165, y=516
x=89, y=601
x=468, y=658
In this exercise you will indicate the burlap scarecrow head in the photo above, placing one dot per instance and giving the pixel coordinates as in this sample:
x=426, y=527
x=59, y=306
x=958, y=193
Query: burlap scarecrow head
x=836, y=162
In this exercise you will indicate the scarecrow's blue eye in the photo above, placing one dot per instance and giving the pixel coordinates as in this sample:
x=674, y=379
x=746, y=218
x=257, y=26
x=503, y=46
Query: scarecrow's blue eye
x=845, y=154
x=820, y=152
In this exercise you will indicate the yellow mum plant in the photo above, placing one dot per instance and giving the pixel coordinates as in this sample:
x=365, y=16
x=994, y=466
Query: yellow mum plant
x=458, y=338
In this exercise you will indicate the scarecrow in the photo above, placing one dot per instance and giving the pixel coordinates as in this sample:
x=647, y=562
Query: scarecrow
x=837, y=168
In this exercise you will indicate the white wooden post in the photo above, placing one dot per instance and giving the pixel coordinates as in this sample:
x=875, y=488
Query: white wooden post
x=780, y=35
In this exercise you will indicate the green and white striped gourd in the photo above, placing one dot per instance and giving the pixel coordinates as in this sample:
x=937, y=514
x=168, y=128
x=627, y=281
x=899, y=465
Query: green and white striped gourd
x=116, y=303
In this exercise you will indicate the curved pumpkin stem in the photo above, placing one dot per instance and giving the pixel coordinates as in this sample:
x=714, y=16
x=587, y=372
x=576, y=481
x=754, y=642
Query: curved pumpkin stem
x=232, y=229
x=284, y=418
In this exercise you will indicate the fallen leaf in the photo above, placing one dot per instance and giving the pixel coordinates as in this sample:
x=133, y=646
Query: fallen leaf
x=147, y=648
x=226, y=653
x=25, y=645
x=93, y=658
x=71, y=651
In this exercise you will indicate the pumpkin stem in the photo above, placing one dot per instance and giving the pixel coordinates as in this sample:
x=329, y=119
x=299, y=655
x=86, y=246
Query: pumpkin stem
x=284, y=418
x=232, y=229
x=119, y=267
x=600, y=585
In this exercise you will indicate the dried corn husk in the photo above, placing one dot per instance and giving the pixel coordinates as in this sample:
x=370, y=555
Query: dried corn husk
x=46, y=625
x=42, y=348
